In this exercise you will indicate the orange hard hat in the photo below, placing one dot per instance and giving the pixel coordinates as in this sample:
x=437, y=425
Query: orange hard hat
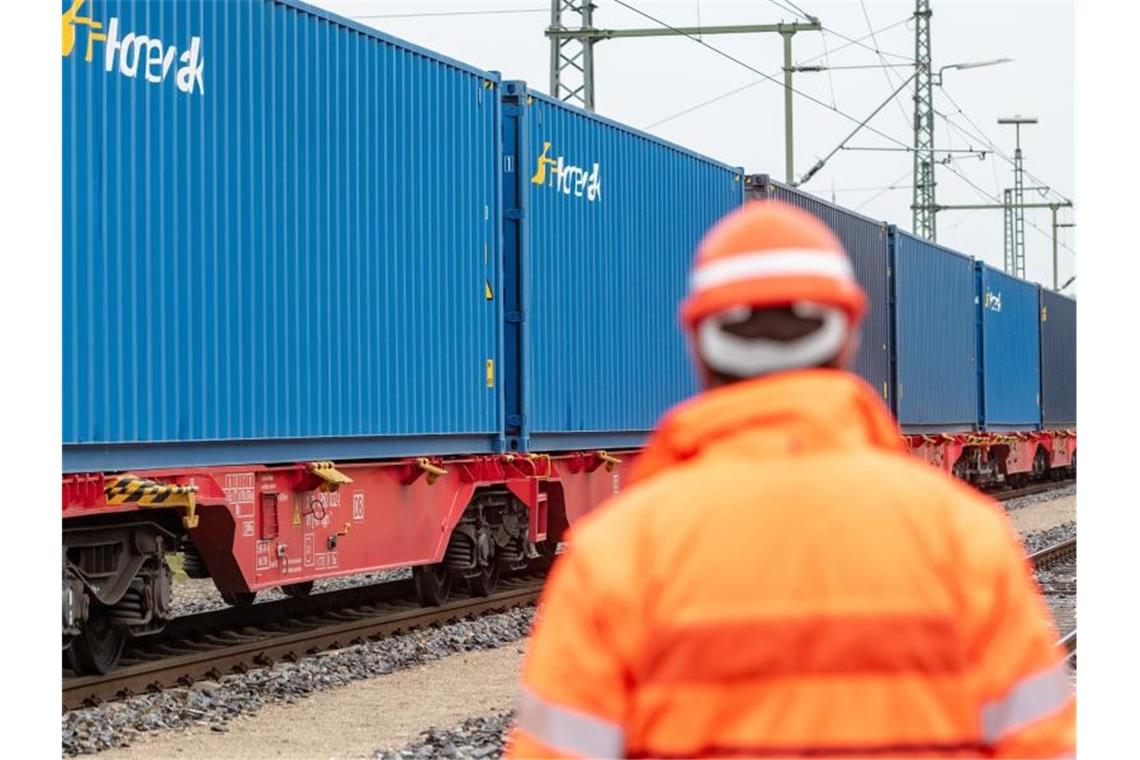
x=770, y=253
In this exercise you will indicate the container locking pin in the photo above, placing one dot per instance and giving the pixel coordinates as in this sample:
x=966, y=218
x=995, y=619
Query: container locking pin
x=609, y=459
x=331, y=478
x=433, y=471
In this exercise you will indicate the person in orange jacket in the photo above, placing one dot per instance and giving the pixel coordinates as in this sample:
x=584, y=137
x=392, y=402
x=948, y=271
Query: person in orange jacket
x=782, y=579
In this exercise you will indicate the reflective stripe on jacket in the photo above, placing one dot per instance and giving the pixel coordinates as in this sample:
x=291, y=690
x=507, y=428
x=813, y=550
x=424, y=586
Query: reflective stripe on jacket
x=783, y=580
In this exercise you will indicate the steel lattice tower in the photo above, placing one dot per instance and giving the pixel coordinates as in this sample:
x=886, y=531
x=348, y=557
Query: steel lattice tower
x=1015, y=204
x=572, y=58
x=923, y=205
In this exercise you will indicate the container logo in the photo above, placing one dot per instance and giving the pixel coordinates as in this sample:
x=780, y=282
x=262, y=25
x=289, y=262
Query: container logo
x=993, y=301
x=567, y=178
x=130, y=53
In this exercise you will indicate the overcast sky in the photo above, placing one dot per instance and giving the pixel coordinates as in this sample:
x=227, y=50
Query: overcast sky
x=643, y=82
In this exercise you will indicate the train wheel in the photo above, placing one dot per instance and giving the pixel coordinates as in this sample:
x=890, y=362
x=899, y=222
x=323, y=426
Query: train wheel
x=487, y=581
x=433, y=584
x=239, y=598
x=298, y=590
x=98, y=646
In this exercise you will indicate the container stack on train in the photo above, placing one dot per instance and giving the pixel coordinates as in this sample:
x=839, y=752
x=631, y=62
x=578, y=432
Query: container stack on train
x=347, y=305
x=973, y=358
x=344, y=304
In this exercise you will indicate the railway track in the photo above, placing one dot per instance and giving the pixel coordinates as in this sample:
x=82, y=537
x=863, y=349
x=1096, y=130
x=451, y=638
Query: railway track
x=1063, y=551
x=1051, y=556
x=212, y=645
x=1005, y=494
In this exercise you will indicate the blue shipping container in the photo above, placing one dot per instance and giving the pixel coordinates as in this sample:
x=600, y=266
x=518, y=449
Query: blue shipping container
x=602, y=222
x=1058, y=360
x=279, y=230
x=867, y=243
x=935, y=336
x=1011, y=368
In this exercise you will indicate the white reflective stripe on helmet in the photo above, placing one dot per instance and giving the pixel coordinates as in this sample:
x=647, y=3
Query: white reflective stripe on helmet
x=750, y=357
x=783, y=262
x=568, y=730
x=1031, y=699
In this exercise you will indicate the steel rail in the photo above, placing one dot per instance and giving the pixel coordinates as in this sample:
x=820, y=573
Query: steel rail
x=1006, y=494
x=1058, y=553
x=239, y=648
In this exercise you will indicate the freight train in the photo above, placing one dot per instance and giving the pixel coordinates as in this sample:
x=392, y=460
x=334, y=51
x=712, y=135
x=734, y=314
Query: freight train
x=334, y=303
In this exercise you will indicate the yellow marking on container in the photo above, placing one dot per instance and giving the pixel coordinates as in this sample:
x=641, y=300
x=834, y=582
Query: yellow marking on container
x=490, y=373
x=487, y=291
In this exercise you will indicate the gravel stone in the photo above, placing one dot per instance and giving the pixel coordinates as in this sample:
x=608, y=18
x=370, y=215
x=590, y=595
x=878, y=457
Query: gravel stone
x=482, y=738
x=1035, y=542
x=1037, y=498
x=196, y=595
x=116, y=724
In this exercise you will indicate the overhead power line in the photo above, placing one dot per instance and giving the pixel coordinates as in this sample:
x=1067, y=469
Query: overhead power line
x=794, y=13
x=754, y=70
x=789, y=2
x=735, y=90
x=995, y=199
x=886, y=68
x=883, y=191
x=454, y=13
x=985, y=138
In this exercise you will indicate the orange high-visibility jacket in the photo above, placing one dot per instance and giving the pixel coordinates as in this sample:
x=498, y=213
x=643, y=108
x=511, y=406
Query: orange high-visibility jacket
x=784, y=580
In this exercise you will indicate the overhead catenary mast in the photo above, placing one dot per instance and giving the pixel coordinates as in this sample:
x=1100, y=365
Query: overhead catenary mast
x=923, y=205
x=572, y=54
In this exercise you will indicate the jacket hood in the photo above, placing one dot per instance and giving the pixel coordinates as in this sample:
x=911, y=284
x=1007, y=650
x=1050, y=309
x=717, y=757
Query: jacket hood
x=775, y=415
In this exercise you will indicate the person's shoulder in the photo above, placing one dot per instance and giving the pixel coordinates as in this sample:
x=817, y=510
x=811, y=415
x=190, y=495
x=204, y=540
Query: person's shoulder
x=625, y=516
x=979, y=522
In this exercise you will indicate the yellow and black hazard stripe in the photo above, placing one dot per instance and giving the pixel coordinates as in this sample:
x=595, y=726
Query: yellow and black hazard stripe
x=128, y=489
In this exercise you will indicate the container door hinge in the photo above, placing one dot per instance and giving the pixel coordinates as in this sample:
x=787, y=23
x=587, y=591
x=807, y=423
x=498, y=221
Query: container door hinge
x=515, y=421
x=513, y=213
x=515, y=317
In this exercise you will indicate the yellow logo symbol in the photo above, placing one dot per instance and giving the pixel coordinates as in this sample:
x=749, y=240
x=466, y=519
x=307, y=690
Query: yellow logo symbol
x=566, y=178
x=71, y=18
x=539, y=177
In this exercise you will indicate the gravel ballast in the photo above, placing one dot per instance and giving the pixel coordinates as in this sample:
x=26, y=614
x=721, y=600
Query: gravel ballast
x=216, y=703
x=1037, y=498
x=196, y=595
x=1035, y=542
x=482, y=737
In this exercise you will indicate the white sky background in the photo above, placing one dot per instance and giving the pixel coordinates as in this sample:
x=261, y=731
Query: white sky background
x=641, y=81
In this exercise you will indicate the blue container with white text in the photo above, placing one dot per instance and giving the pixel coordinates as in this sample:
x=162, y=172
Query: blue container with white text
x=280, y=230
x=1010, y=351
x=601, y=225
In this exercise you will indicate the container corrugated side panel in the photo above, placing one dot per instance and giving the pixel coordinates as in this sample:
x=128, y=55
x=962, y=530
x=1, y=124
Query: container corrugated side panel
x=867, y=243
x=605, y=352
x=1058, y=360
x=1011, y=360
x=288, y=263
x=935, y=338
